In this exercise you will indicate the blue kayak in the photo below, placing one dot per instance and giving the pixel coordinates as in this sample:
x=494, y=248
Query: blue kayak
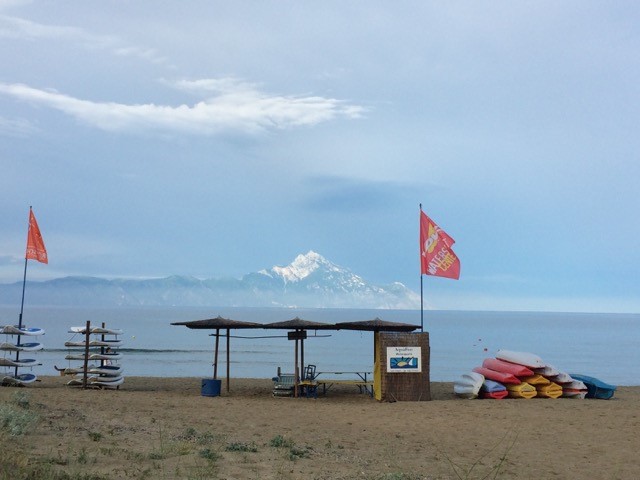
x=595, y=388
x=492, y=386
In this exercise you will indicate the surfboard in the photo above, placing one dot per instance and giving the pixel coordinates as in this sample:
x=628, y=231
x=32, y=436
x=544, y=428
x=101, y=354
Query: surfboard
x=22, y=379
x=96, y=330
x=109, y=370
x=522, y=358
x=104, y=379
x=16, y=330
x=95, y=356
x=111, y=384
x=497, y=376
x=26, y=347
x=93, y=343
x=96, y=383
x=468, y=385
x=23, y=362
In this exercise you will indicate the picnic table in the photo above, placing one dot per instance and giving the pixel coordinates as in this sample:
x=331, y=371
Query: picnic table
x=362, y=380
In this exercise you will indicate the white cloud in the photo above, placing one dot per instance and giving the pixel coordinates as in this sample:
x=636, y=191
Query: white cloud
x=20, y=29
x=16, y=127
x=235, y=109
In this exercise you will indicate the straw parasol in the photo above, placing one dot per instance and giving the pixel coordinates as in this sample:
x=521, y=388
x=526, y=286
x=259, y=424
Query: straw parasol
x=300, y=327
x=219, y=323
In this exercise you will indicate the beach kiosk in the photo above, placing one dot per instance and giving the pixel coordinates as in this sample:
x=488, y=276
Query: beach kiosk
x=401, y=360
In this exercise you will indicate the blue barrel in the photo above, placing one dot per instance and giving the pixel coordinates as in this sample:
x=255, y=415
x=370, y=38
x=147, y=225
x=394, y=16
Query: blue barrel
x=210, y=387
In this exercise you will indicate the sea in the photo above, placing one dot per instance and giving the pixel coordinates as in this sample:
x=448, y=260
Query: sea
x=606, y=346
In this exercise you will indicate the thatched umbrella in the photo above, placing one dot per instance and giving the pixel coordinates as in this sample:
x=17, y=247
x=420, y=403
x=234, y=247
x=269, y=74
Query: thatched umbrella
x=300, y=327
x=217, y=324
x=377, y=325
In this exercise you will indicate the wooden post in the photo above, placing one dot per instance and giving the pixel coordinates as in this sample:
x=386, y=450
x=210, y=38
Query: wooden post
x=295, y=373
x=302, y=355
x=228, y=369
x=215, y=355
x=87, y=335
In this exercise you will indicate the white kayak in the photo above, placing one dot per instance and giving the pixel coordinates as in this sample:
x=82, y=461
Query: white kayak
x=574, y=389
x=561, y=377
x=17, y=330
x=23, y=347
x=96, y=330
x=547, y=371
x=468, y=385
x=521, y=358
x=23, y=362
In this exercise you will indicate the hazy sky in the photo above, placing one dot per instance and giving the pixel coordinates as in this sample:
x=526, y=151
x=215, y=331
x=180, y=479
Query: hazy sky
x=213, y=139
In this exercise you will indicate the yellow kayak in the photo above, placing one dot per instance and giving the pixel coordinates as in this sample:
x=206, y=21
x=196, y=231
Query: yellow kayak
x=552, y=390
x=523, y=390
x=536, y=380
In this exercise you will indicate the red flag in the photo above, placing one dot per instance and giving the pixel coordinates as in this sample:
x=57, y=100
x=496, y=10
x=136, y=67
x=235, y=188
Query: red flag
x=35, y=244
x=436, y=256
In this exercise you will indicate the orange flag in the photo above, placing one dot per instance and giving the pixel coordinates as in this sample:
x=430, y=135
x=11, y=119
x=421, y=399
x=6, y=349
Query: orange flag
x=35, y=244
x=436, y=256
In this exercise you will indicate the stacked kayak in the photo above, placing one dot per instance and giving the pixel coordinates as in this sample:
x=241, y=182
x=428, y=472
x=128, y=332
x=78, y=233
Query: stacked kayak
x=468, y=385
x=524, y=375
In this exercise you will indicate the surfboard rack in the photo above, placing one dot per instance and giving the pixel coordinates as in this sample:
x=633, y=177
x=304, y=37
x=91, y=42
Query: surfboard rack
x=96, y=344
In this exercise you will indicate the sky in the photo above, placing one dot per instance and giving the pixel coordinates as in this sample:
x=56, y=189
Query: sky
x=214, y=139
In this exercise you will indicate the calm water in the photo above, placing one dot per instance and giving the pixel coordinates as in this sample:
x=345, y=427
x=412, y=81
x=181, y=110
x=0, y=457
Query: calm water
x=606, y=346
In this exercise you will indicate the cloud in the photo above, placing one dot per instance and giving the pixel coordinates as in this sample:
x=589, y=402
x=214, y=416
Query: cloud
x=16, y=128
x=240, y=108
x=20, y=29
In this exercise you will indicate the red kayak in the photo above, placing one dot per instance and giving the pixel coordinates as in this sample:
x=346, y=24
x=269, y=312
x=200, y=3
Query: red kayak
x=495, y=395
x=497, y=376
x=507, y=367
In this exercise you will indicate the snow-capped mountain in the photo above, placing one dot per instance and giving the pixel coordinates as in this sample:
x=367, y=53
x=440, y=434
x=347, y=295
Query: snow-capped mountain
x=309, y=281
x=312, y=280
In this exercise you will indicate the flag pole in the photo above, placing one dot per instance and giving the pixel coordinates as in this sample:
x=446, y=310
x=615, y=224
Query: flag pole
x=24, y=281
x=421, y=294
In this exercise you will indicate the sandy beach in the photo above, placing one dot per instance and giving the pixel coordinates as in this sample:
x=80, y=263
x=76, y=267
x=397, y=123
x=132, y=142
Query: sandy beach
x=164, y=428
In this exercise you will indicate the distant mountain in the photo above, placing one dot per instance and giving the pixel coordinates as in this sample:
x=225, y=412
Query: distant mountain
x=310, y=281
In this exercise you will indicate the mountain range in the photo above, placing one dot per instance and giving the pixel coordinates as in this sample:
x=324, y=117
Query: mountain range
x=310, y=281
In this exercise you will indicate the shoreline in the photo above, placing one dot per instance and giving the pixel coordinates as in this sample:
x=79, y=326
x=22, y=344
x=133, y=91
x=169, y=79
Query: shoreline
x=155, y=427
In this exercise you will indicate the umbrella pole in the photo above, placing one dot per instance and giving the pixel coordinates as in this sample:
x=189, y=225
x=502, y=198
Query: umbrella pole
x=302, y=356
x=228, y=369
x=295, y=363
x=215, y=356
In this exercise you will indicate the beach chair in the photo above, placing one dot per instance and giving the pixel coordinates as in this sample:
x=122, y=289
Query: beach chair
x=283, y=384
x=309, y=373
x=309, y=383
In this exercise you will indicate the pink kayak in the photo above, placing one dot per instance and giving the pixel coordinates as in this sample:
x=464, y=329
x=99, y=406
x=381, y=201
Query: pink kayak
x=497, y=376
x=507, y=367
